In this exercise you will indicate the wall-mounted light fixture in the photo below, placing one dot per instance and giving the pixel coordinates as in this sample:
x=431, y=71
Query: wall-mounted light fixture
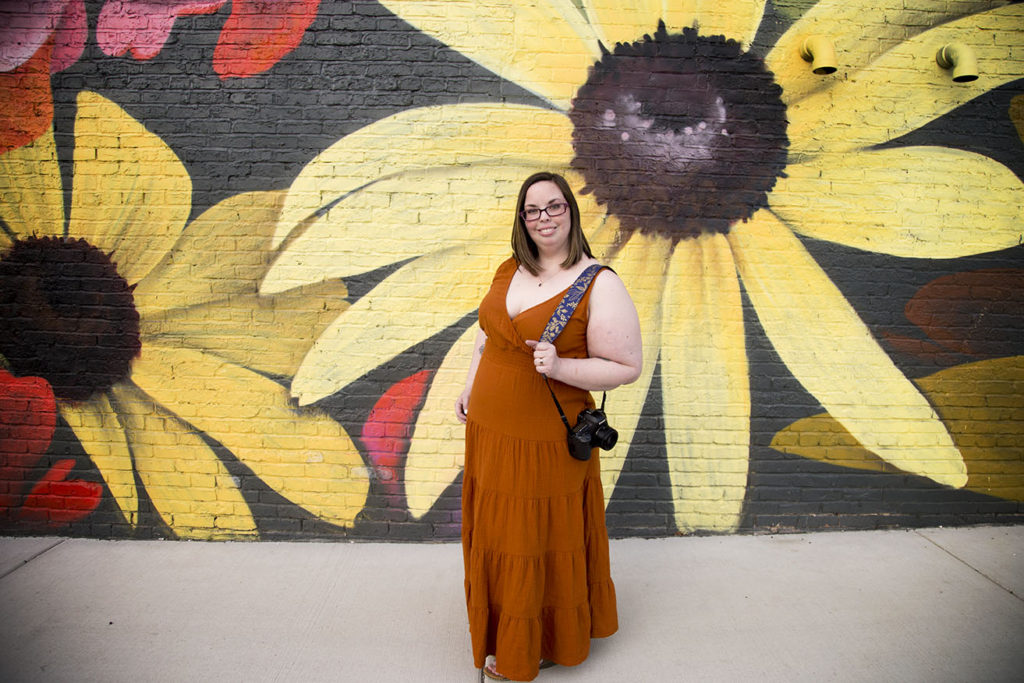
x=818, y=50
x=962, y=60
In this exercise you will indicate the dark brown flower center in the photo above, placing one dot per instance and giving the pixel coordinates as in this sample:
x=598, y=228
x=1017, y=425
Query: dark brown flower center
x=66, y=315
x=680, y=134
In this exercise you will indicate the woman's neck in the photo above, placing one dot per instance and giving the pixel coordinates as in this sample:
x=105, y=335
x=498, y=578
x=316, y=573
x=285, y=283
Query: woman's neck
x=550, y=264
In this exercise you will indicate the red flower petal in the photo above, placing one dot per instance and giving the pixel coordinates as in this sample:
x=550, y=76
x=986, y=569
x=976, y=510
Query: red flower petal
x=259, y=33
x=26, y=101
x=389, y=426
x=55, y=500
x=978, y=313
x=28, y=416
x=921, y=349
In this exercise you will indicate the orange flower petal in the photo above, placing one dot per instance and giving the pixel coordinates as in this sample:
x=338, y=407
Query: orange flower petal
x=26, y=101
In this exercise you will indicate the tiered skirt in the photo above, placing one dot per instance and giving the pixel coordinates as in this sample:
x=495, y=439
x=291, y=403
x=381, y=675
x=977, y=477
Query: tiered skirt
x=535, y=547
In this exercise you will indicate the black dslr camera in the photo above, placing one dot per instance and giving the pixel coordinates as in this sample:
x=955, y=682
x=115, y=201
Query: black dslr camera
x=591, y=431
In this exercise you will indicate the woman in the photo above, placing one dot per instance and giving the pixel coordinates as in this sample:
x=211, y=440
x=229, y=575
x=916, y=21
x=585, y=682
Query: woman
x=534, y=540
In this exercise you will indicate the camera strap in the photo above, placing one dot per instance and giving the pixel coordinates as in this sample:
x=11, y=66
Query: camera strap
x=560, y=318
x=561, y=412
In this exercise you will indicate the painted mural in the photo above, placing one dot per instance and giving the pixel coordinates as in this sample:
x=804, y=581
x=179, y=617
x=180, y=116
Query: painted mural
x=242, y=245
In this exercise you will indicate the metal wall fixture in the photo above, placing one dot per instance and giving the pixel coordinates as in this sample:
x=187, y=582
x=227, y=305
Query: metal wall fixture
x=819, y=51
x=961, y=59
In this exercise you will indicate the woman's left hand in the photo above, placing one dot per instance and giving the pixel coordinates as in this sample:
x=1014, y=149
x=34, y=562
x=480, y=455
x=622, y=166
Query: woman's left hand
x=545, y=357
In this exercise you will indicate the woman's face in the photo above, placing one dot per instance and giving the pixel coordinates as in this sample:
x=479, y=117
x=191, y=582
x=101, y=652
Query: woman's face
x=549, y=233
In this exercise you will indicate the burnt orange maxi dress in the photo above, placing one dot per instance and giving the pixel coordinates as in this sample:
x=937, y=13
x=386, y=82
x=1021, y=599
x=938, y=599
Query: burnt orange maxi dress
x=534, y=539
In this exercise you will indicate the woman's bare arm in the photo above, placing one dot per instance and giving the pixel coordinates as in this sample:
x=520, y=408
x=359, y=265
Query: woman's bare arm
x=613, y=342
x=462, y=402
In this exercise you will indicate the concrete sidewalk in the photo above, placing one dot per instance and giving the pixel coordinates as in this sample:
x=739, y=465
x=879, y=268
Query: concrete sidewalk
x=921, y=605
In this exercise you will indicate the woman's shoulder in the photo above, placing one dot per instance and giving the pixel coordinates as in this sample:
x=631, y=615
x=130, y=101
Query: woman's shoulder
x=586, y=262
x=509, y=264
x=505, y=269
x=606, y=273
x=608, y=284
x=603, y=271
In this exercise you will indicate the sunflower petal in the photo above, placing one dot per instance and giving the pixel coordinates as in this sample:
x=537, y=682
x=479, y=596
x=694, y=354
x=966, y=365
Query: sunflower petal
x=418, y=300
x=505, y=38
x=915, y=202
x=905, y=88
x=986, y=435
x=313, y=463
x=861, y=31
x=431, y=138
x=617, y=22
x=1017, y=115
x=437, y=450
x=641, y=265
x=378, y=226
x=31, y=198
x=270, y=334
x=185, y=480
x=705, y=383
x=832, y=354
x=606, y=237
x=97, y=428
x=602, y=229
x=387, y=223
x=737, y=19
x=131, y=194
x=229, y=252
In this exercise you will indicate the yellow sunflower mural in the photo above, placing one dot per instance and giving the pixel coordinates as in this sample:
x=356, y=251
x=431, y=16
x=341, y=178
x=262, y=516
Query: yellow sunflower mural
x=702, y=166
x=150, y=330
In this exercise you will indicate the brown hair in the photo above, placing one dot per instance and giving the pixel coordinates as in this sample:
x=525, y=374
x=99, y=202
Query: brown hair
x=525, y=249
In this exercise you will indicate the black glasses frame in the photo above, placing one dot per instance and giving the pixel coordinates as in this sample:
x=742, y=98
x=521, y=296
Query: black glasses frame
x=552, y=210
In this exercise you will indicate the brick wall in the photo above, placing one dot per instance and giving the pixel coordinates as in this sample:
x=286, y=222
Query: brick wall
x=243, y=244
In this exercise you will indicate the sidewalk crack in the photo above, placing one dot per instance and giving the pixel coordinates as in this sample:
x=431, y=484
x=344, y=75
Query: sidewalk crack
x=25, y=562
x=968, y=564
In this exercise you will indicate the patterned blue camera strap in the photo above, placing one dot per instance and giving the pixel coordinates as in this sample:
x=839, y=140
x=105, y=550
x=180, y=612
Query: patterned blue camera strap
x=560, y=318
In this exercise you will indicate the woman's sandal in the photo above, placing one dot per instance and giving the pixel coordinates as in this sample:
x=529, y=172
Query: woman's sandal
x=491, y=672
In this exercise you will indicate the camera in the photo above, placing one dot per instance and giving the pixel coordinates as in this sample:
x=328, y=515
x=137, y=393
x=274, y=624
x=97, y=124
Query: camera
x=591, y=431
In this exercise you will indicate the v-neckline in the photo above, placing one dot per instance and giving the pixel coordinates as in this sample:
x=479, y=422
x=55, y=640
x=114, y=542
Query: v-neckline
x=518, y=315
x=559, y=295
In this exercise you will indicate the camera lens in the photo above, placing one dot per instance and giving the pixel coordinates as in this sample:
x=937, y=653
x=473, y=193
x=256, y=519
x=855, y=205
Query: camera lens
x=606, y=437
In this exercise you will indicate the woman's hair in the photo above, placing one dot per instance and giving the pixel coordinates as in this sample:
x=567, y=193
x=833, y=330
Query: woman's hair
x=525, y=249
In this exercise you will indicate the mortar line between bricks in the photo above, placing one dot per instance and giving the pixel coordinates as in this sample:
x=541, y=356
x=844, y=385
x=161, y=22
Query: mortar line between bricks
x=25, y=563
x=972, y=567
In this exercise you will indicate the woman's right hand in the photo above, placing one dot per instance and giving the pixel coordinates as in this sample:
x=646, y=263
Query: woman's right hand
x=462, y=406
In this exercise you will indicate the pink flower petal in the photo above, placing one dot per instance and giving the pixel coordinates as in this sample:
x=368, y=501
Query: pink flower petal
x=70, y=36
x=24, y=27
x=143, y=26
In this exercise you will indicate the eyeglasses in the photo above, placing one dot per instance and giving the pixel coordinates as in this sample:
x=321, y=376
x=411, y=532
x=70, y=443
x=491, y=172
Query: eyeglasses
x=556, y=209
